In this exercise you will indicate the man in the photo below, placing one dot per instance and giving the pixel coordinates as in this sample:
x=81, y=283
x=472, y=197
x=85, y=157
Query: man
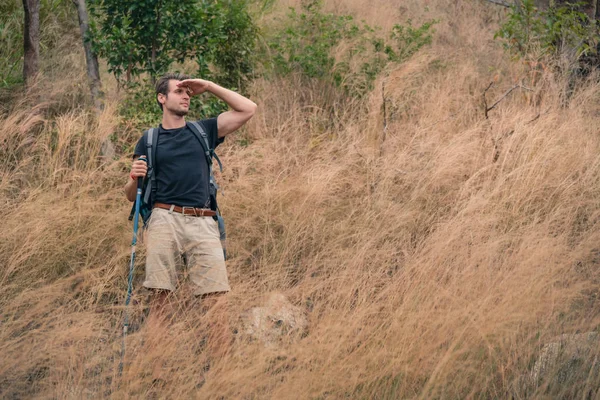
x=181, y=226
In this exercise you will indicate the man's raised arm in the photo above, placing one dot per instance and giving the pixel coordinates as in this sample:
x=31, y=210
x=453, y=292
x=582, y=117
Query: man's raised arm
x=242, y=108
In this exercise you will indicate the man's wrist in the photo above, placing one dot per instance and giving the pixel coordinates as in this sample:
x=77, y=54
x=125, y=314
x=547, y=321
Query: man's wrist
x=210, y=86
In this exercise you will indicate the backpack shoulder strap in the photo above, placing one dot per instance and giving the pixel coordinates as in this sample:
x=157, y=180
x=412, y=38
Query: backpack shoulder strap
x=209, y=153
x=151, y=142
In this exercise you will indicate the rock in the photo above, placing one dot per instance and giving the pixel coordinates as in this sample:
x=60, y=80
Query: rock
x=79, y=393
x=568, y=360
x=276, y=320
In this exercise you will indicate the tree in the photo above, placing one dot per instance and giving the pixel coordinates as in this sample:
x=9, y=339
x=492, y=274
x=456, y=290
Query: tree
x=90, y=57
x=93, y=72
x=31, y=42
x=147, y=36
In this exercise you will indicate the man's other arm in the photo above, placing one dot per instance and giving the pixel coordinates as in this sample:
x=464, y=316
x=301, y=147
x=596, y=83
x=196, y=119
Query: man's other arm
x=138, y=170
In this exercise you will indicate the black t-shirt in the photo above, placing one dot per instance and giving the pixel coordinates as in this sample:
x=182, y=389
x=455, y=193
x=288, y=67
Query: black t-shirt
x=182, y=174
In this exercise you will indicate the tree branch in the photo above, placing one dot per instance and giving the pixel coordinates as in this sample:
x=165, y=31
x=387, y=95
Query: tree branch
x=500, y=3
x=488, y=109
x=538, y=116
x=384, y=134
x=485, y=106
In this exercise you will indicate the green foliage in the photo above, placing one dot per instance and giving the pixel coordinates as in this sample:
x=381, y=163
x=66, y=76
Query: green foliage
x=408, y=40
x=568, y=26
x=11, y=45
x=148, y=36
x=140, y=109
x=233, y=55
x=306, y=43
x=309, y=44
x=522, y=28
x=57, y=20
x=139, y=105
x=549, y=32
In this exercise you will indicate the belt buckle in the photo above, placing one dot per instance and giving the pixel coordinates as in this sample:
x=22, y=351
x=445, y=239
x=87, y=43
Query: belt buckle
x=192, y=208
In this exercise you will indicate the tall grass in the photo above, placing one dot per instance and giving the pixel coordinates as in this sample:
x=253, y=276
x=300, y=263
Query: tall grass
x=434, y=251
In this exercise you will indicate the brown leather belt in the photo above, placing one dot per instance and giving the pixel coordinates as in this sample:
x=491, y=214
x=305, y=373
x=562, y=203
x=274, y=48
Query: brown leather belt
x=191, y=211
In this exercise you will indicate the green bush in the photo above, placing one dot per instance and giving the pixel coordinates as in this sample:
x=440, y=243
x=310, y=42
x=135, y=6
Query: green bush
x=142, y=39
x=11, y=45
x=306, y=41
x=148, y=36
x=408, y=40
x=565, y=30
x=58, y=19
x=233, y=55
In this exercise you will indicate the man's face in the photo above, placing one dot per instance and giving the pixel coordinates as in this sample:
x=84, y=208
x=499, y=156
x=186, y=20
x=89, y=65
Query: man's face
x=177, y=100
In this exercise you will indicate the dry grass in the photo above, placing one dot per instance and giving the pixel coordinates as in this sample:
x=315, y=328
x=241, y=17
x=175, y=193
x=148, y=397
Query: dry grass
x=433, y=260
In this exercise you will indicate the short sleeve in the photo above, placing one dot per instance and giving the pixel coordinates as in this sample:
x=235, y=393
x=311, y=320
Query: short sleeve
x=210, y=125
x=140, y=147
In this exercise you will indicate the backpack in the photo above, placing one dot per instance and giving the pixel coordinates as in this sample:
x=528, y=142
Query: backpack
x=149, y=186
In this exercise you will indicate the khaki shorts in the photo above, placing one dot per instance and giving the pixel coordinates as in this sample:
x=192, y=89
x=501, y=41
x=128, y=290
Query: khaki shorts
x=172, y=238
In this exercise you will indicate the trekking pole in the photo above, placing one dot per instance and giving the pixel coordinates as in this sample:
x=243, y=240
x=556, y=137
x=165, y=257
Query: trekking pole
x=138, y=199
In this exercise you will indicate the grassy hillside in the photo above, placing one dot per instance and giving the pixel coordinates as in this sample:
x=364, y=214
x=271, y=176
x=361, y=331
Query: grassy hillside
x=434, y=250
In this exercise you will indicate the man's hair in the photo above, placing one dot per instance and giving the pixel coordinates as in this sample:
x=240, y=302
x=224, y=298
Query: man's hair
x=162, y=85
